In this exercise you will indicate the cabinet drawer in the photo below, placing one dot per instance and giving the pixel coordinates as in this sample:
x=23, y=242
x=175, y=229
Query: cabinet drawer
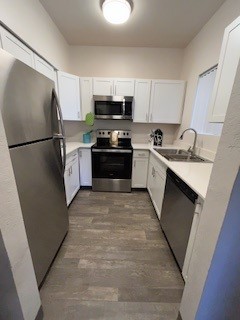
x=72, y=157
x=140, y=154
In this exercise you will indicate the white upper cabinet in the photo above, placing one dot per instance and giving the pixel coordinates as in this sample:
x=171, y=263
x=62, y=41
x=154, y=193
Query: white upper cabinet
x=12, y=45
x=142, y=100
x=86, y=89
x=103, y=86
x=227, y=67
x=43, y=67
x=167, y=97
x=124, y=87
x=116, y=87
x=69, y=95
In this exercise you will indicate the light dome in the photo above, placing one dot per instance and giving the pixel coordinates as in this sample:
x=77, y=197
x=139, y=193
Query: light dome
x=116, y=11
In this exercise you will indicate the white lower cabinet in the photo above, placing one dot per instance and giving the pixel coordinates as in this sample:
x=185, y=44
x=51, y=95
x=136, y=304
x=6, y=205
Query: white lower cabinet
x=140, y=168
x=156, y=183
x=71, y=176
x=85, y=162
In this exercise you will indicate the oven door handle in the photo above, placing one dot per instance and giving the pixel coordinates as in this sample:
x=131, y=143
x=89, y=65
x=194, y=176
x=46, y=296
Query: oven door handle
x=111, y=151
x=124, y=108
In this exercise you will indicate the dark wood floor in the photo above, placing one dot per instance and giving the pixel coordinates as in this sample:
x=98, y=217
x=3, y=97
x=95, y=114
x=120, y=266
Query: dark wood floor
x=114, y=263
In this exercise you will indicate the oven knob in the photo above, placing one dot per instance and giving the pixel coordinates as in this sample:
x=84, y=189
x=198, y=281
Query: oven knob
x=103, y=132
x=127, y=134
x=108, y=132
x=124, y=133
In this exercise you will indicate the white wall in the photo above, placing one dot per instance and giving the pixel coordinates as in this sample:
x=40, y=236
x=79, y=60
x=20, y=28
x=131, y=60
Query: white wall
x=14, y=235
x=126, y=62
x=201, y=54
x=29, y=20
x=225, y=170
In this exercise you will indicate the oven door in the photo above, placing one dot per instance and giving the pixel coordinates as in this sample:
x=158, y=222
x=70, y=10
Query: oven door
x=111, y=169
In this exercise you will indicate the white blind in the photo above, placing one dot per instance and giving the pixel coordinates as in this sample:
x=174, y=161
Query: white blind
x=201, y=105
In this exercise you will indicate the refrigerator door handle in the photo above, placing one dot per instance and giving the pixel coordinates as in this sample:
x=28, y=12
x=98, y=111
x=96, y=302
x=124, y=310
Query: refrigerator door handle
x=61, y=135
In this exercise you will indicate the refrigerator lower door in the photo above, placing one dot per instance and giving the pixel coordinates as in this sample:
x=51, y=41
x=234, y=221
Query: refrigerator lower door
x=38, y=173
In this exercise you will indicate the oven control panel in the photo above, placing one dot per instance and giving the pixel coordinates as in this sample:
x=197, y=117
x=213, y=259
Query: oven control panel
x=124, y=134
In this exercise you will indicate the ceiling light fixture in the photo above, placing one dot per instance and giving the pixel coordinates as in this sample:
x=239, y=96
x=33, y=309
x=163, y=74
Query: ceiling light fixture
x=116, y=11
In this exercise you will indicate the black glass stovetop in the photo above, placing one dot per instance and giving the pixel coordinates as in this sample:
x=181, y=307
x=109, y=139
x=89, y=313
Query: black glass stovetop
x=103, y=143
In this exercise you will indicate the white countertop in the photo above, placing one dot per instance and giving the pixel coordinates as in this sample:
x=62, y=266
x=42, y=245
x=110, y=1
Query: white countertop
x=71, y=146
x=196, y=175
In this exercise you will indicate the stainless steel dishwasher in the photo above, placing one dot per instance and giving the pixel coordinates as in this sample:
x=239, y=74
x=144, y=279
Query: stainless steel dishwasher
x=177, y=215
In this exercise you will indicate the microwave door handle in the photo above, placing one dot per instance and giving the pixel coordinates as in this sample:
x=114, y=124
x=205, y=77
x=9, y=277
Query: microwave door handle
x=61, y=134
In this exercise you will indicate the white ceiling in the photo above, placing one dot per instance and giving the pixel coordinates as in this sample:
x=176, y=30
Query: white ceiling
x=153, y=23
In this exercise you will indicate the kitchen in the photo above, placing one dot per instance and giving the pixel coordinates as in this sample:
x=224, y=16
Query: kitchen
x=143, y=72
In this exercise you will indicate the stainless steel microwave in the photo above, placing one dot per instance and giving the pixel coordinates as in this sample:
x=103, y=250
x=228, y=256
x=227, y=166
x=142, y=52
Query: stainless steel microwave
x=113, y=107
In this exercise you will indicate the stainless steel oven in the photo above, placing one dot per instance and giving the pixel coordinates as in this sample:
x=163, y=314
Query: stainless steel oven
x=112, y=165
x=113, y=107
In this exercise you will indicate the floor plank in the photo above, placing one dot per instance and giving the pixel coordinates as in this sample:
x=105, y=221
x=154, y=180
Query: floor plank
x=114, y=263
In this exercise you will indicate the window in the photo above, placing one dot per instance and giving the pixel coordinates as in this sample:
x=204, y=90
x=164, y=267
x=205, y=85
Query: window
x=200, y=112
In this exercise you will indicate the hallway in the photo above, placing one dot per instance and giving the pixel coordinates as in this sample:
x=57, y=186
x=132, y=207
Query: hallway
x=114, y=263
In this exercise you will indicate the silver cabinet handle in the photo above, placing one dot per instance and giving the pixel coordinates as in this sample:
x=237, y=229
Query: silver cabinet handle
x=134, y=163
x=151, y=117
x=146, y=117
x=78, y=114
x=153, y=172
x=115, y=89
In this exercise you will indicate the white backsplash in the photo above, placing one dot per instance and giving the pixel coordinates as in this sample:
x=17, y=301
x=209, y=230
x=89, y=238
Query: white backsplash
x=140, y=131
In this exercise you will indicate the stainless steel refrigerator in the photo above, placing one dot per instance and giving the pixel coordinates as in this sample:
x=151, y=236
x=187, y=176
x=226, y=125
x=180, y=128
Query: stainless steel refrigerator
x=34, y=130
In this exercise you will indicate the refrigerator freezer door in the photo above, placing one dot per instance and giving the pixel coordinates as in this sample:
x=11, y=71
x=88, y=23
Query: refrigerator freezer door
x=38, y=172
x=26, y=102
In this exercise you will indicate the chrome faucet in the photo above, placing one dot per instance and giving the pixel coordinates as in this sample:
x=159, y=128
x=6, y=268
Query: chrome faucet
x=192, y=149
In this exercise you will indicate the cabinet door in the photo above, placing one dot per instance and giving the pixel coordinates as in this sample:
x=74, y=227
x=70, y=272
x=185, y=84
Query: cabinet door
x=150, y=179
x=85, y=163
x=69, y=94
x=167, y=97
x=43, y=67
x=86, y=96
x=75, y=183
x=14, y=46
x=103, y=86
x=124, y=87
x=139, y=173
x=142, y=100
x=67, y=182
x=158, y=192
x=227, y=67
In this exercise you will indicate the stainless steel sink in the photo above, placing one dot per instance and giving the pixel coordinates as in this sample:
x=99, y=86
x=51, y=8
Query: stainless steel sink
x=180, y=155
